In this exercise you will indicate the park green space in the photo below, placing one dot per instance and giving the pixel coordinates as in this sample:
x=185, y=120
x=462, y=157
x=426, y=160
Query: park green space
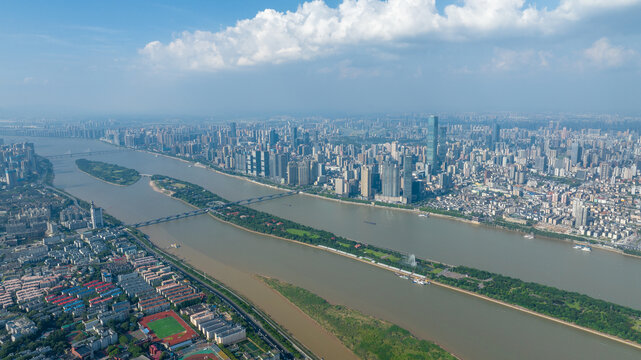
x=110, y=173
x=190, y=193
x=382, y=255
x=166, y=327
x=300, y=232
x=602, y=316
x=367, y=336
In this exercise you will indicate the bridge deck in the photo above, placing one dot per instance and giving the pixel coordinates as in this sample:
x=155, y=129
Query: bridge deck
x=86, y=153
x=206, y=210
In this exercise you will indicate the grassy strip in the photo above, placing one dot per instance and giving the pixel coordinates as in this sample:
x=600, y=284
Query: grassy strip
x=366, y=336
x=110, y=173
x=599, y=315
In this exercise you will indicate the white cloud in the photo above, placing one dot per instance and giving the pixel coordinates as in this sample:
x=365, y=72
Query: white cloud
x=507, y=59
x=30, y=80
x=604, y=54
x=315, y=29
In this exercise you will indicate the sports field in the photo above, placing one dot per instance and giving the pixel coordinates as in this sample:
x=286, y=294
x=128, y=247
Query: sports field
x=166, y=327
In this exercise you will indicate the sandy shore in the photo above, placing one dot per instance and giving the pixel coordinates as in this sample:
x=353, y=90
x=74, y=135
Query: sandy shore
x=453, y=288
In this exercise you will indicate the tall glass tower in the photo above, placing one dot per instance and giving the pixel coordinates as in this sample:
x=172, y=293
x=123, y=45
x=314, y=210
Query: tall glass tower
x=431, y=155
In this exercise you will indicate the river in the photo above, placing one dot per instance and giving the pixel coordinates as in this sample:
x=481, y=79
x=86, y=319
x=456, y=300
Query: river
x=469, y=327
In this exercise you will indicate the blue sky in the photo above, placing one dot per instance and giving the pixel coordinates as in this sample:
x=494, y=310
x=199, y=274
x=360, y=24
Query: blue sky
x=219, y=58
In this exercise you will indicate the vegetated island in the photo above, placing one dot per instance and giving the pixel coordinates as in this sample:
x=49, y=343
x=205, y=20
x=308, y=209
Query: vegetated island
x=111, y=173
x=366, y=336
x=602, y=317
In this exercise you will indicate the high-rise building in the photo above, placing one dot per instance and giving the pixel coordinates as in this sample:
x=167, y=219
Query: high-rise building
x=496, y=133
x=292, y=173
x=313, y=171
x=391, y=179
x=575, y=153
x=444, y=181
x=303, y=173
x=232, y=129
x=264, y=163
x=281, y=163
x=366, y=182
x=96, y=217
x=580, y=213
x=408, y=167
x=273, y=138
x=11, y=177
x=431, y=154
x=540, y=163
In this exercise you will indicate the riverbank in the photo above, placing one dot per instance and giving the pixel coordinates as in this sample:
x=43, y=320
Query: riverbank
x=449, y=287
x=299, y=325
x=367, y=336
x=587, y=302
x=597, y=246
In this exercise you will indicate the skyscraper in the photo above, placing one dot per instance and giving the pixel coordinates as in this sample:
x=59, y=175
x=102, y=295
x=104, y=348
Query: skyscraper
x=264, y=163
x=580, y=213
x=496, y=133
x=408, y=167
x=273, y=138
x=391, y=180
x=303, y=173
x=366, y=182
x=431, y=155
x=11, y=177
x=575, y=153
x=292, y=173
x=96, y=217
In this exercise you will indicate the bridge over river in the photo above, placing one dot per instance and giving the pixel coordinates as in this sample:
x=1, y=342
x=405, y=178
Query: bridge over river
x=85, y=153
x=213, y=208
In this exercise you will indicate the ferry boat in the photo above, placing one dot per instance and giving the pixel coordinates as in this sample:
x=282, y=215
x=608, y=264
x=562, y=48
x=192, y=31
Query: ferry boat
x=529, y=236
x=582, y=248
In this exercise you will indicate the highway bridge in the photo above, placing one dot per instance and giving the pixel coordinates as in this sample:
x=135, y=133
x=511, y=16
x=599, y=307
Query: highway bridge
x=78, y=154
x=213, y=208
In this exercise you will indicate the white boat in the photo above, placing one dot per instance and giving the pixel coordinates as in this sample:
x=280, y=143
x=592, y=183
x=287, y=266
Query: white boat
x=422, y=215
x=529, y=236
x=174, y=246
x=405, y=277
x=582, y=248
x=418, y=281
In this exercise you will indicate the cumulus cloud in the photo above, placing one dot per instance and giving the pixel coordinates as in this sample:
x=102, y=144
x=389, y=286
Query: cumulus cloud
x=315, y=29
x=602, y=53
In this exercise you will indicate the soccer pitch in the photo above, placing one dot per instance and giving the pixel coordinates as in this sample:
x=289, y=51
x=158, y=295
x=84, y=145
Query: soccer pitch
x=166, y=327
